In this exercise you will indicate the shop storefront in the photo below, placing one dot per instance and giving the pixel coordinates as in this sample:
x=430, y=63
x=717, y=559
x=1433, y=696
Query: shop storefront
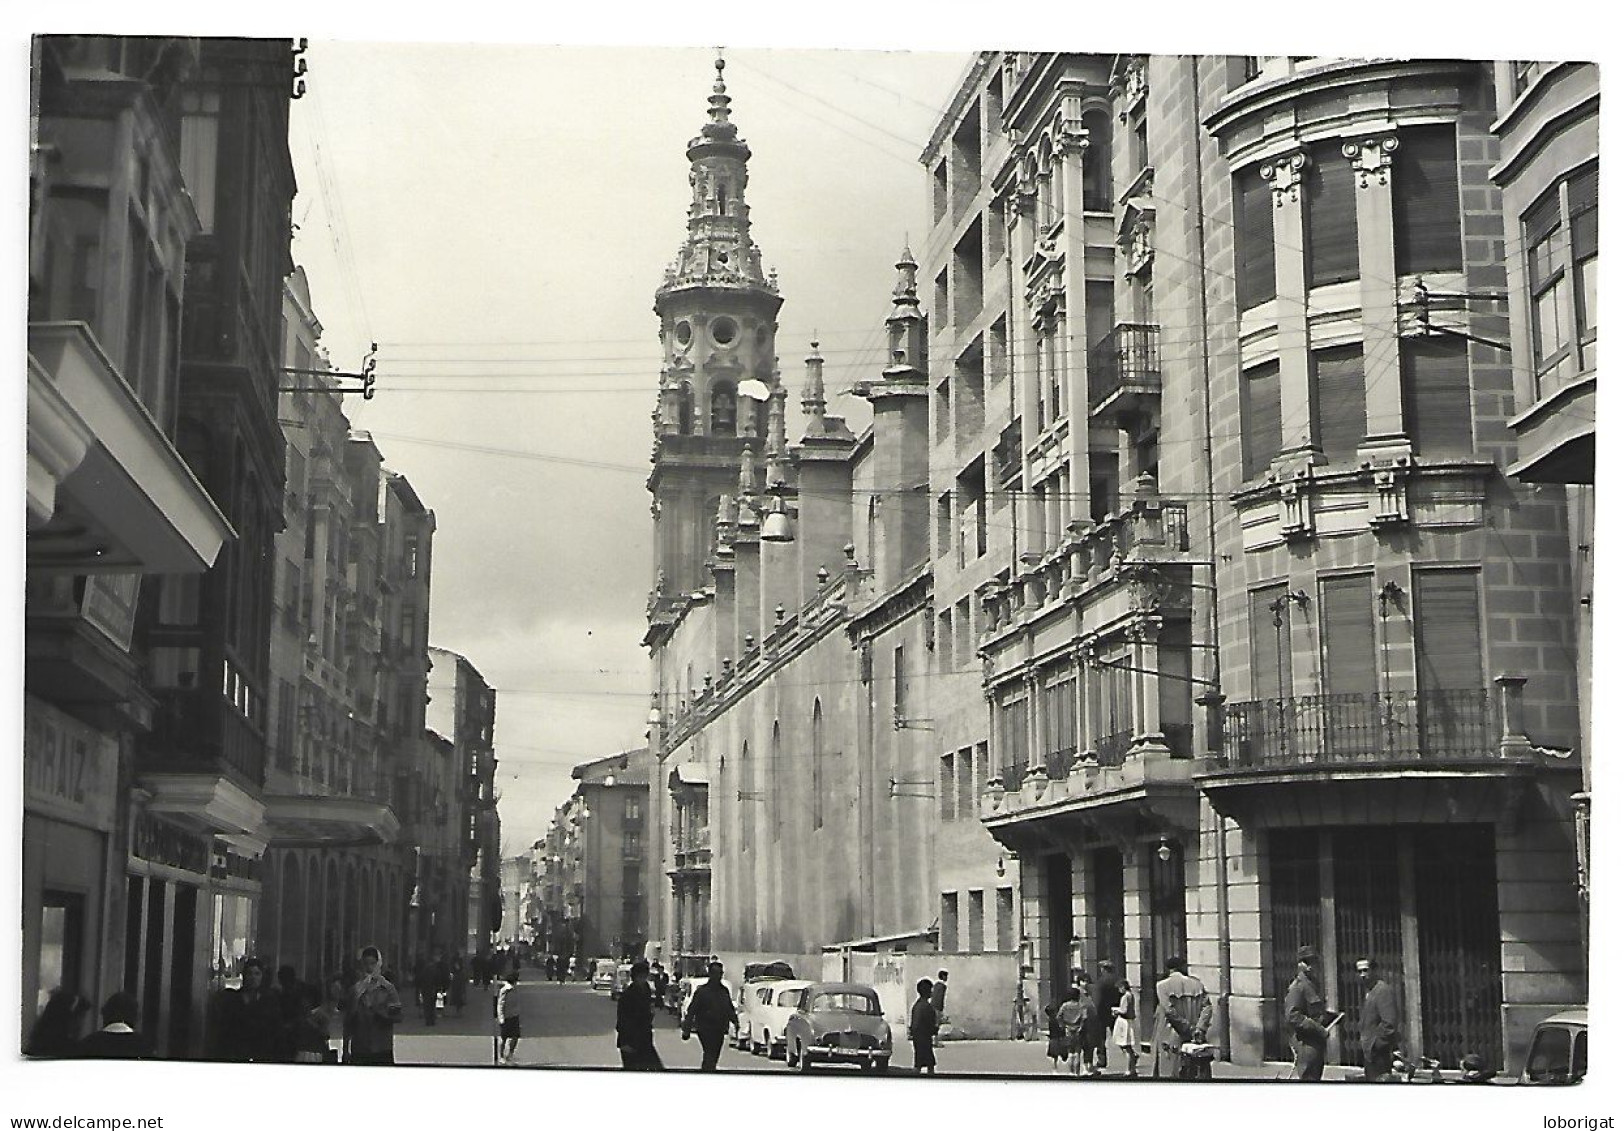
x=70, y=808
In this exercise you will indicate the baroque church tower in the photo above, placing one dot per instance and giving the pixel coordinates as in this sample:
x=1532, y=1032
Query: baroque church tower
x=720, y=392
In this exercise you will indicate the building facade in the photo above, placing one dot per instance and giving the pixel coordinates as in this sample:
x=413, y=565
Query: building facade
x=606, y=904
x=338, y=875
x=112, y=511
x=792, y=638
x=462, y=710
x=1293, y=662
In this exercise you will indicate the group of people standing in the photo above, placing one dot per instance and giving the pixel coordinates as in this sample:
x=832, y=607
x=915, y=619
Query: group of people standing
x=1093, y=1013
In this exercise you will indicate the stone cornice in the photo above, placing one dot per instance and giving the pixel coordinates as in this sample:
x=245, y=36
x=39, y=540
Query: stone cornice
x=888, y=609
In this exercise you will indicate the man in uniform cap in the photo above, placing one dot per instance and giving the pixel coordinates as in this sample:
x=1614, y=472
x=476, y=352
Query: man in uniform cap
x=1378, y=1021
x=1306, y=1018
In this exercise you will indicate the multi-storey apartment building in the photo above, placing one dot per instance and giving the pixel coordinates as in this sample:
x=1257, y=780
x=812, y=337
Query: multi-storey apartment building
x=689, y=871
x=462, y=711
x=1550, y=183
x=1292, y=660
x=611, y=843
x=112, y=511
x=337, y=877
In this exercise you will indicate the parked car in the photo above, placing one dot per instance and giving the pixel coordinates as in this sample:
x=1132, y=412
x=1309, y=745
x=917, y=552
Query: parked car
x=603, y=973
x=622, y=979
x=769, y=1005
x=1560, y=1050
x=838, y=1022
x=685, y=992
x=756, y=973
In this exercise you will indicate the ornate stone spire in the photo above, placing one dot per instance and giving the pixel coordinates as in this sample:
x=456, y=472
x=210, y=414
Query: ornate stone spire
x=720, y=127
x=905, y=329
x=812, y=398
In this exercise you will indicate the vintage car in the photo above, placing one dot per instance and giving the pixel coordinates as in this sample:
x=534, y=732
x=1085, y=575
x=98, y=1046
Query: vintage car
x=603, y=973
x=768, y=1006
x=1560, y=1050
x=622, y=979
x=838, y=1023
x=755, y=973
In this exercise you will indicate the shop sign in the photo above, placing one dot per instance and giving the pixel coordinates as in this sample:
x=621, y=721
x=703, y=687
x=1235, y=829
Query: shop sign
x=71, y=769
x=159, y=842
x=110, y=600
x=226, y=864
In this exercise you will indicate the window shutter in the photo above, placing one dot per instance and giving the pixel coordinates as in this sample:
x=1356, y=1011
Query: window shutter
x=1437, y=395
x=1426, y=201
x=1339, y=400
x=1348, y=635
x=1254, y=239
x=1261, y=408
x=1271, y=647
x=1448, y=635
x=1333, y=232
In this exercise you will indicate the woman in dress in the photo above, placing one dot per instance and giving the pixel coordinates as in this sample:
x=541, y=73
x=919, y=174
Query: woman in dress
x=1124, y=1033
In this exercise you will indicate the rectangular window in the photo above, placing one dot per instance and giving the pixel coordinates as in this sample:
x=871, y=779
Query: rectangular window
x=1254, y=240
x=975, y=924
x=1548, y=284
x=1348, y=635
x=1260, y=415
x=1582, y=214
x=1271, y=644
x=963, y=635
x=981, y=771
x=1426, y=201
x=1102, y=484
x=966, y=785
x=948, y=942
x=1005, y=902
x=1339, y=401
x=944, y=640
x=1448, y=633
x=944, y=789
x=1328, y=207
x=900, y=684
x=1437, y=395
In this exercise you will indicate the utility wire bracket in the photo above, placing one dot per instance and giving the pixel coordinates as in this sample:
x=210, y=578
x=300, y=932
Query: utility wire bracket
x=368, y=377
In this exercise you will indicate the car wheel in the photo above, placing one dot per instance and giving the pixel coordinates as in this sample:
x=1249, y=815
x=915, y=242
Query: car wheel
x=806, y=1059
x=790, y=1053
x=881, y=1065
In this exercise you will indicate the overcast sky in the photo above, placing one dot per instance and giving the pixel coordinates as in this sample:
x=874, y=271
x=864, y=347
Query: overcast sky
x=497, y=219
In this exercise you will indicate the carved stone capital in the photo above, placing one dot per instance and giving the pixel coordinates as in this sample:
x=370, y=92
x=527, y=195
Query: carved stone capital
x=1285, y=176
x=1372, y=157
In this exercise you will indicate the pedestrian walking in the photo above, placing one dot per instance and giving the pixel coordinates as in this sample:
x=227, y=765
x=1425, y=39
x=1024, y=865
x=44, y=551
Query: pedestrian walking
x=922, y=1026
x=1106, y=993
x=1379, y=1023
x=548, y=967
x=1124, y=1030
x=313, y=1030
x=1307, y=1020
x=1183, y=1016
x=117, y=1039
x=634, y=1023
x=507, y=1017
x=711, y=1014
x=372, y=1010
x=661, y=983
x=938, y=1001
x=457, y=986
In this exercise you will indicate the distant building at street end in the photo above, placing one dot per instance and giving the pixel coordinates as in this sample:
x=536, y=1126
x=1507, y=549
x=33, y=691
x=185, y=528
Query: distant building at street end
x=462, y=709
x=605, y=833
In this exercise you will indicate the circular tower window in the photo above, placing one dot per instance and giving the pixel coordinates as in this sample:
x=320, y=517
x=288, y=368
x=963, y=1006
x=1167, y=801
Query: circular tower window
x=724, y=331
x=685, y=333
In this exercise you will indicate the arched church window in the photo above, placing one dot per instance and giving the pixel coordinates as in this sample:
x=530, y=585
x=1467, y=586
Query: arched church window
x=817, y=763
x=724, y=408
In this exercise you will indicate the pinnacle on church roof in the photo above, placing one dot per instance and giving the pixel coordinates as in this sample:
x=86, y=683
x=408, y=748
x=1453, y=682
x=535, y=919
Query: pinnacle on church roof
x=719, y=126
x=906, y=292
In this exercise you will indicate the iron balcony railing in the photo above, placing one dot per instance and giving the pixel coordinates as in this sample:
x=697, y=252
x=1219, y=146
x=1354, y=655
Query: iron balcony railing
x=1130, y=355
x=1011, y=775
x=1402, y=726
x=1112, y=749
x=1058, y=762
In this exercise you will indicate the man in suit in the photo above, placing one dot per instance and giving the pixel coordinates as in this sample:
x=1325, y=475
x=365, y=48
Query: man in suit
x=711, y=1014
x=1379, y=1023
x=1306, y=1017
x=117, y=1039
x=1183, y=1016
x=634, y=1023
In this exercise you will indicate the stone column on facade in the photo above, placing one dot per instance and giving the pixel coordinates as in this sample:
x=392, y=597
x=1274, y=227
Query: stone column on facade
x=1285, y=175
x=1372, y=160
x=1147, y=692
x=1136, y=928
x=1071, y=151
x=1034, y=721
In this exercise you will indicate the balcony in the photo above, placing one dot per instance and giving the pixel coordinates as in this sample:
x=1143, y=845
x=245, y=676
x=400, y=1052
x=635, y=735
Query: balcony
x=1125, y=371
x=1115, y=788
x=1412, y=755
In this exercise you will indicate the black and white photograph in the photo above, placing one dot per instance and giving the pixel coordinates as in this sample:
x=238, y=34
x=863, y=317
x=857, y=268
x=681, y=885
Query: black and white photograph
x=802, y=556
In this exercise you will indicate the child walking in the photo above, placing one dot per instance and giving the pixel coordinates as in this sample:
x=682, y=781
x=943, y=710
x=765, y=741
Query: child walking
x=507, y=1015
x=1124, y=1033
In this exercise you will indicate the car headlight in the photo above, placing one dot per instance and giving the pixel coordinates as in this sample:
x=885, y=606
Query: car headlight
x=885, y=1038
